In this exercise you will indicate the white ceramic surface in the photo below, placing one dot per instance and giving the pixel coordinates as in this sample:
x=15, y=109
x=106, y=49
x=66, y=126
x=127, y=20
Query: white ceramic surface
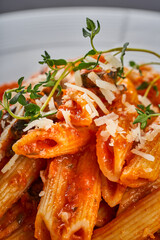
x=25, y=35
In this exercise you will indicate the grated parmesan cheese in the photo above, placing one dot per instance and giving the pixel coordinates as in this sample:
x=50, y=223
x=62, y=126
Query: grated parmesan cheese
x=113, y=61
x=105, y=135
x=134, y=134
x=111, y=121
x=42, y=193
x=94, y=112
x=106, y=85
x=91, y=94
x=109, y=96
x=147, y=156
x=78, y=79
x=111, y=142
x=123, y=98
x=89, y=110
x=129, y=108
x=40, y=123
x=144, y=100
x=102, y=120
x=69, y=103
x=67, y=117
x=106, y=88
x=2, y=124
x=65, y=216
x=11, y=162
x=52, y=105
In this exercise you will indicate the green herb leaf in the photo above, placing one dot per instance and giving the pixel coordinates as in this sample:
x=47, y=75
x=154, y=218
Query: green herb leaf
x=34, y=95
x=85, y=33
x=59, y=88
x=120, y=71
x=132, y=64
x=29, y=88
x=90, y=53
x=144, y=115
x=50, y=83
x=1, y=114
x=123, y=52
x=15, y=98
x=155, y=88
x=84, y=65
x=143, y=86
x=90, y=24
x=9, y=95
x=91, y=27
x=60, y=62
x=31, y=109
x=141, y=106
x=20, y=80
x=22, y=100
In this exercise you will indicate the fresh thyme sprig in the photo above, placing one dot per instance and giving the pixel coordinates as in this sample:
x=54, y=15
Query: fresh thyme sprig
x=148, y=86
x=31, y=110
x=144, y=113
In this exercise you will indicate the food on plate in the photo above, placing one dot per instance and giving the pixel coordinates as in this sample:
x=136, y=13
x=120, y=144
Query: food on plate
x=80, y=149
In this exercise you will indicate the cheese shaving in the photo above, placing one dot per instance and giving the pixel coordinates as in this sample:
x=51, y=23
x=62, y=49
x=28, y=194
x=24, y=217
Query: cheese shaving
x=89, y=110
x=43, y=123
x=123, y=98
x=147, y=156
x=78, y=79
x=52, y=105
x=134, y=134
x=144, y=100
x=94, y=112
x=11, y=162
x=113, y=61
x=106, y=85
x=67, y=117
x=91, y=94
x=111, y=142
x=105, y=135
x=109, y=96
x=42, y=193
x=102, y=120
x=129, y=108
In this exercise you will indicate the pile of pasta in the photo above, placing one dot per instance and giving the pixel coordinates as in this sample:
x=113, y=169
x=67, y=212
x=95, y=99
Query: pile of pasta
x=86, y=172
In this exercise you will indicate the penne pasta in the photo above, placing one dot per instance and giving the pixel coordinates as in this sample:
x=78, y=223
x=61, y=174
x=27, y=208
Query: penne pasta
x=71, y=186
x=60, y=139
x=133, y=195
x=16, y=180
x=105, y=214
x=76, y=105
x=80, y=149
x=113, y=151
x=139, y=170
x=137, y=222
x=112, y=192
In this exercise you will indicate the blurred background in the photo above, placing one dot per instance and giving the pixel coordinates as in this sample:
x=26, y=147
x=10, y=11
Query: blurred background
x=16, y=5
x=28, y=27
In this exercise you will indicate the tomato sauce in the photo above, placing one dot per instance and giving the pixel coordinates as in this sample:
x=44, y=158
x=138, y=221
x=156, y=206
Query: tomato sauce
x=4, y=87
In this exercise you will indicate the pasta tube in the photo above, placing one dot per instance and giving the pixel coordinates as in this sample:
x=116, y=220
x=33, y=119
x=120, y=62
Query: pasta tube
x=137, y=222
x=139, y=170
x=58, y=140
x=16, y=180
x=132, y=195
x=112, y=192
x=72, y=185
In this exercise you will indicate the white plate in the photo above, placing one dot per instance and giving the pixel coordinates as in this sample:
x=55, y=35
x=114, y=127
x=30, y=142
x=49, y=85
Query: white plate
x=26, y=34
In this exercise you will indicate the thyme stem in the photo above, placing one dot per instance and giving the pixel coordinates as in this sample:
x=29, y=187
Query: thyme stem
x=151, y=85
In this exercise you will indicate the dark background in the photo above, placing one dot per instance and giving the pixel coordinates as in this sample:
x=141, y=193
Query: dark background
x=16, y=5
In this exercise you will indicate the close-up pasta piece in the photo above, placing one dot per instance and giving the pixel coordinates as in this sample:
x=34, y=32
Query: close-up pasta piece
x=80, y=149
